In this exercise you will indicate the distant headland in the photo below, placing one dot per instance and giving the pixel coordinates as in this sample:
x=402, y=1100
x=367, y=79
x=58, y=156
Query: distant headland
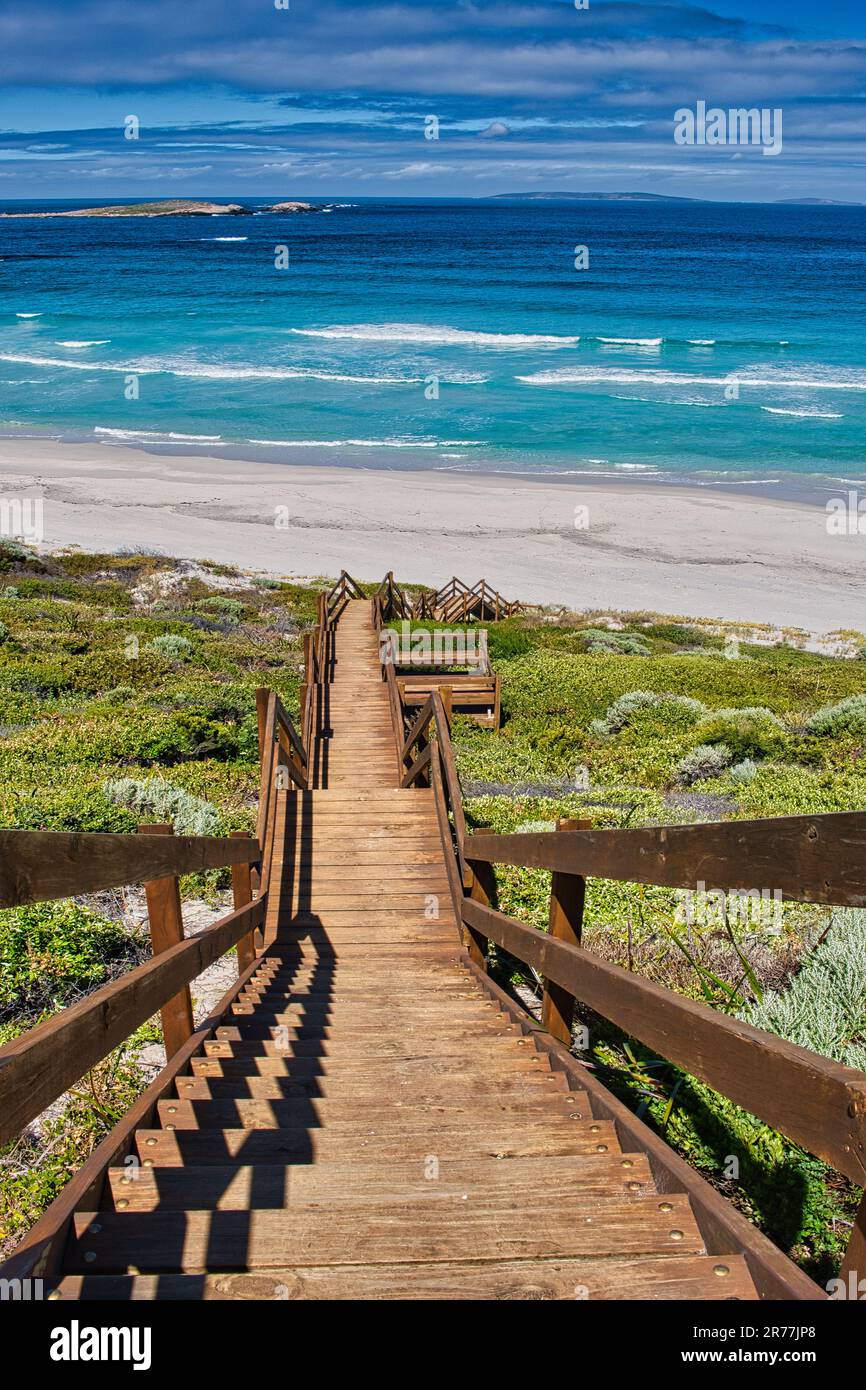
x=561, y=196
x=171, y=207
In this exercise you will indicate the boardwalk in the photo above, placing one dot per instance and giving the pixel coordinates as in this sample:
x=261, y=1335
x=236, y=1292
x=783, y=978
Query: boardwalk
x=367, y=1116
x=366, y=1123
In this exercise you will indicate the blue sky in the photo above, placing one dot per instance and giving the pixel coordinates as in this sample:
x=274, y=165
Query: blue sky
x=329, y=97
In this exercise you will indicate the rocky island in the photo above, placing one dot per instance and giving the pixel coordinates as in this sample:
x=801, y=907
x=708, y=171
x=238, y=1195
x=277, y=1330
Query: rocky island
x=171, y=207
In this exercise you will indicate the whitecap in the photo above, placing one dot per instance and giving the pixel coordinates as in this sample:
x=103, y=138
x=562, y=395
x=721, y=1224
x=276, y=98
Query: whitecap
x=804, y=414
x=626, y=376
x=157, y=434
x=633, y=342
x=434, y=336
x=364, y=443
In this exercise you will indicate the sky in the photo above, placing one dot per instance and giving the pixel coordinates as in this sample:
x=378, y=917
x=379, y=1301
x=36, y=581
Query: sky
x=331, y=98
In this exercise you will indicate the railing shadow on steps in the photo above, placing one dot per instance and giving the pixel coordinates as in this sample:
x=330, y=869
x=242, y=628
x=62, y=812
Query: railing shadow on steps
x=45, y=1061
x=817, y=1103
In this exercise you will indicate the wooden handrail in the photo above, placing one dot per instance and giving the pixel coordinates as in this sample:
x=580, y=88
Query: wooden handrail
x=38, y=866
x=816, y=1102
x=815, y=859
x=419, y=726
x=42, y=1063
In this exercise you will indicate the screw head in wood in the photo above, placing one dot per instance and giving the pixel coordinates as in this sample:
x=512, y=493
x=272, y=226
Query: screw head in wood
x=666, y=1206
x=676, y=1235
x=721, y=1270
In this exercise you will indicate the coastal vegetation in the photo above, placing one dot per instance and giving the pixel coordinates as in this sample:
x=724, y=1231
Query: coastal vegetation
x=168, y=207
x=127, y=695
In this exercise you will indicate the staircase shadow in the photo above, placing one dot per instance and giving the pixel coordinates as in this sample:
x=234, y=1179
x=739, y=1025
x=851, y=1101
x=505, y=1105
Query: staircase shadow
x=301, y=1040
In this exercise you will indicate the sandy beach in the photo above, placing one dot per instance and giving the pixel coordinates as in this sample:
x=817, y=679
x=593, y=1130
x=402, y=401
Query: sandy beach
x=586, y=543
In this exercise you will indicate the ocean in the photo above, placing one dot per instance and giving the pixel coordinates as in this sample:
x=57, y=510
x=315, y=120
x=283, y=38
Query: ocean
x=700, y=342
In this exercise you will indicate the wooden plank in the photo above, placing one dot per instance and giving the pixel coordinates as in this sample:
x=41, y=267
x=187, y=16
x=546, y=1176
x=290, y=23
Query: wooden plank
x=500, y=1138
x=379, y=1069
x=815, y=859
x=38, y=866
x=378, y=1088
x=41, y=1064
x=688, y=1278
x=165, y=920
x=473, y=1112
x=445, y=1230
x=245, y=1187
x=817, y=1102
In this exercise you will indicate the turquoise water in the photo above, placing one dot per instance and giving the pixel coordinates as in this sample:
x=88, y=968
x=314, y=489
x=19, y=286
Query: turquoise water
x=716, y=341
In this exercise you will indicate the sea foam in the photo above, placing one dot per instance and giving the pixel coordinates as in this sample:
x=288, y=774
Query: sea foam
x=434, y=336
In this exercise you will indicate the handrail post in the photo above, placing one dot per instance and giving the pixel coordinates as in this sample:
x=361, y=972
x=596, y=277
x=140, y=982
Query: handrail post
x=242, y=893
x=482, y=888
x=166, y=929
x=447, y=694
x=263, y=695
x=567, y=898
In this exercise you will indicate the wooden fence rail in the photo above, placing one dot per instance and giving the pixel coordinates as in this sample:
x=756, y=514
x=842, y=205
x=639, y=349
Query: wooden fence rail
x=38, y=866
x=41, y=1064
x=815, y=859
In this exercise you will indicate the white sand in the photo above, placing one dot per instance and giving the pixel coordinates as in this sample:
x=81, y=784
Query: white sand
x=697, y=552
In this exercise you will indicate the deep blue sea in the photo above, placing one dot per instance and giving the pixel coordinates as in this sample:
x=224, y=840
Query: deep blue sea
x=713, y=341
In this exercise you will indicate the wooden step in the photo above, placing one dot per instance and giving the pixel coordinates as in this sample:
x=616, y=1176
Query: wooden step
x=685, y=1277
x=369, y=1114
x=239, y=1188
x=505, y=1062
x=379, y=1088
x=488, y=1227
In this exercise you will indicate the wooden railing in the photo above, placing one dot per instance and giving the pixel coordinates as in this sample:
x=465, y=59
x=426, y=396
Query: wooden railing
x=455, y=602
x=36, y=866
x=40, y=1065
x=817, y=1103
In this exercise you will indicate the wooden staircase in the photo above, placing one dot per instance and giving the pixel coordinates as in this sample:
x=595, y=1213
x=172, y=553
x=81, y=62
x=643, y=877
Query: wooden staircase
x=364, y=1121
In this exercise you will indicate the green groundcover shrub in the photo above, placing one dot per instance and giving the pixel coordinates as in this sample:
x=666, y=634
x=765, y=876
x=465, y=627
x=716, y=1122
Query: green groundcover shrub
x=51, y=952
